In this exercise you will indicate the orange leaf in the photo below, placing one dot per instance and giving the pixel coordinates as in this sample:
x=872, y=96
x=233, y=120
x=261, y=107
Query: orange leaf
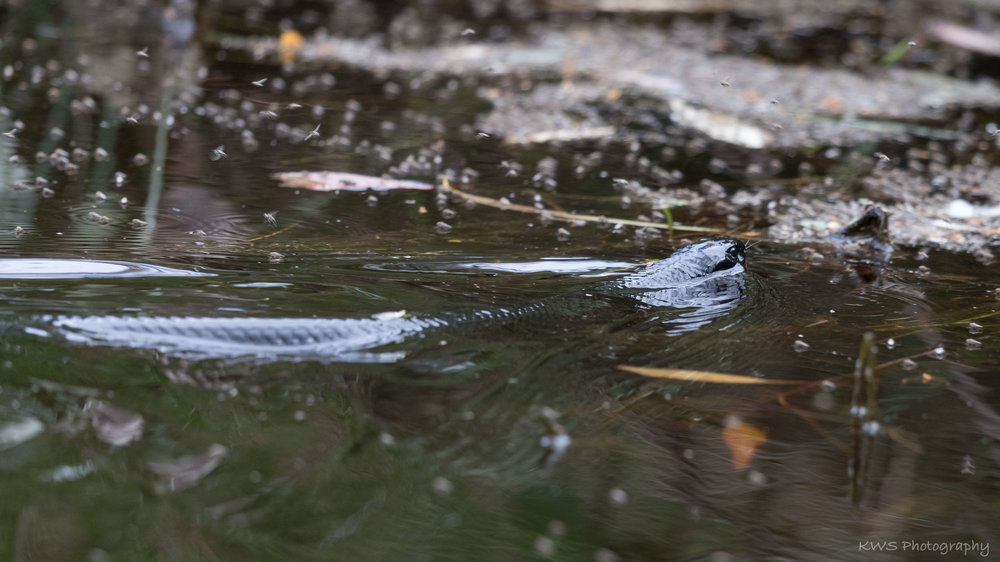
x=289, y=44
x=701, y=376
x=742, y=440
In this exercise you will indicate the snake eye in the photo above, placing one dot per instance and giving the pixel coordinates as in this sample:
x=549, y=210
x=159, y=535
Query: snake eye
x=738, y=252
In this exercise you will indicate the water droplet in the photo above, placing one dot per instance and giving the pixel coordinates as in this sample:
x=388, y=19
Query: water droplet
x=799, y=346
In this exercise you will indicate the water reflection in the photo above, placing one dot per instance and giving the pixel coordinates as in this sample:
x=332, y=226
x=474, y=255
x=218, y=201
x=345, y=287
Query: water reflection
x=41, y=268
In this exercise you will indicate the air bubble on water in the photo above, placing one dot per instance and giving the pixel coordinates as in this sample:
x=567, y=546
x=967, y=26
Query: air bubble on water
x=545, y=546
x=618, y=496
x=756, y=478
x=871, y=428
x=605, y=555
x=442, y=486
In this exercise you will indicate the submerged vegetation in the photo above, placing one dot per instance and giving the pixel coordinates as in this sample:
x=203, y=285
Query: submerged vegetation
x=237, y=236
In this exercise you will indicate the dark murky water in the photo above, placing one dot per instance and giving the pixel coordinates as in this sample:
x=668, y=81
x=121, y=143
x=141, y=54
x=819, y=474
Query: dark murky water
x=506, y=440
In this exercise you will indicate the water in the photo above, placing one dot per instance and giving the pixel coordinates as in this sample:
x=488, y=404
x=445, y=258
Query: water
x=479, y=441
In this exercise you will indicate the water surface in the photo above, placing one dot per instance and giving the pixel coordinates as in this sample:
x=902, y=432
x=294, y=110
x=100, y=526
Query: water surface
x=514, y=439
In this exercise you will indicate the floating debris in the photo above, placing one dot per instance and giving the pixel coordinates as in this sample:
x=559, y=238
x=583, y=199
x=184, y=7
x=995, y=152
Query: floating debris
x=184, y=472
x=342, y=181
x=218, y=153
x=114, y=426
x=13, y=433
x=313, y=133
x=556, y=440
x=743, y=441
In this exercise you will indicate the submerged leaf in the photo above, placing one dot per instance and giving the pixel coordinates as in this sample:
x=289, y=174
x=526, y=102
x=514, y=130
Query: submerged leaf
x=342, y=181
x=742, y=440
x=701, y=376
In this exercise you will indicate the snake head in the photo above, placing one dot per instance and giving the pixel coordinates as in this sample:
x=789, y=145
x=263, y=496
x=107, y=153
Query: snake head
x=734, y=253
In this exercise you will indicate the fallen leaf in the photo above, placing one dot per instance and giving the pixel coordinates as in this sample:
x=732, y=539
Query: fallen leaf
x=701, y=376
x=342, y=181
x=742, y=440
